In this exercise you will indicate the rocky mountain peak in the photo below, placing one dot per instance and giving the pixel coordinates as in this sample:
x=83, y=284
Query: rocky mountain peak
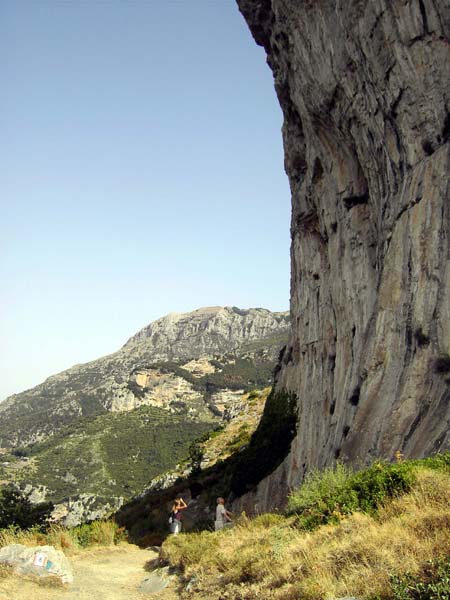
x=207, y=330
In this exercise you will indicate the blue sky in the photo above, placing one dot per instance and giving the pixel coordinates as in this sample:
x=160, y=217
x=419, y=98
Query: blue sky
x=142, y=173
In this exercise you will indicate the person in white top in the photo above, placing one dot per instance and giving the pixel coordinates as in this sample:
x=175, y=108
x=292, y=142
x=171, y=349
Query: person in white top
x=223, y=516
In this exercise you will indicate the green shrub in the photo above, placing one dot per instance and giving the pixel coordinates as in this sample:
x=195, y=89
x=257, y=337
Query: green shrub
x=322, y=497
x=268, y=520
x=439, y=461
x=326, y=496
x=380, y=482
x=16, y=509
x=82, y=534
x=103, y=533
x=196, y=454
x=433, y=584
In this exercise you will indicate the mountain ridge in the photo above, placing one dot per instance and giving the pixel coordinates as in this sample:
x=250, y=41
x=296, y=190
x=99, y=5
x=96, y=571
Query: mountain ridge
x=118, y=381
x=95, y=434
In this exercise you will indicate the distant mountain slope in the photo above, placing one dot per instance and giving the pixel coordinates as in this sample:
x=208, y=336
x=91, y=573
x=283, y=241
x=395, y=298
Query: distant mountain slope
x=159, y=367
x=94, y=436
x=110, y=456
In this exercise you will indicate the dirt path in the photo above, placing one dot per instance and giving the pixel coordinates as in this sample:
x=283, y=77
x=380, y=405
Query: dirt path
x=103, y=573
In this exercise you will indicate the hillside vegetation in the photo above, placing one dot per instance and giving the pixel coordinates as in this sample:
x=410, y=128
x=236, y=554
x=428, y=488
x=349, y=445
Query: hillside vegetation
x=97, y=533
x=115, y=454
x=381, y=533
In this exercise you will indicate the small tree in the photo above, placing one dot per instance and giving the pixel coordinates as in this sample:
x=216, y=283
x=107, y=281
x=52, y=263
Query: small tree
x=16, y=509
x=196, y=456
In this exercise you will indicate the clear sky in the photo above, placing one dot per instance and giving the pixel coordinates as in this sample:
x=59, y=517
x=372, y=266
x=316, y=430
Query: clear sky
x=141, y=174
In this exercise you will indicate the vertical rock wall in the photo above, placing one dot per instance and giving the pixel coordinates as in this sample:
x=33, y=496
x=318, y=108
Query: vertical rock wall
x=364, y=87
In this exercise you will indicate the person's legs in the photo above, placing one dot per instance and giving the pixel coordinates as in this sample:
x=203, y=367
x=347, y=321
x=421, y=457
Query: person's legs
x=175, y=527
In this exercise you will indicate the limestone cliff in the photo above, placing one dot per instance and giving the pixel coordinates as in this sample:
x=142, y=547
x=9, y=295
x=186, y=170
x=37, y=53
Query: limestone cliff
x=364, y=87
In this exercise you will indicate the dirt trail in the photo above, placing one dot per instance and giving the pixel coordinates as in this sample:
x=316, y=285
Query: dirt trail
x=113, y=573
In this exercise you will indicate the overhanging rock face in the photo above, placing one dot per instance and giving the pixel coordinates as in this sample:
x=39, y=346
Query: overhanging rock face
x=364, y=87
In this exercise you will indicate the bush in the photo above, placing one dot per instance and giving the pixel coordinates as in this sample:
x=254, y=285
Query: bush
x=268, y=520
x=440, y=461
x=326, y=496
x=195, y=456
x=16, y=509
x=380, y=482
x=97, y=533
x=102, y=533
x=433, y=584
x=316, y=501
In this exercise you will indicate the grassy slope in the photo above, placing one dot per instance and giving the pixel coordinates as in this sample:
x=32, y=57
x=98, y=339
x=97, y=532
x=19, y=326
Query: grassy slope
x=237, y=433
x=359, y=554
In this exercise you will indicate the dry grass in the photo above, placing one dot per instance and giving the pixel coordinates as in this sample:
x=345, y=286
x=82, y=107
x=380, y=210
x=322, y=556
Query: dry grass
x=270, y=558
x=101, y=533
x=221, y=446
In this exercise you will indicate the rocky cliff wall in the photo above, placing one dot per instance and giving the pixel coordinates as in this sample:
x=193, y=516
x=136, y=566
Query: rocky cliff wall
x=364, y=87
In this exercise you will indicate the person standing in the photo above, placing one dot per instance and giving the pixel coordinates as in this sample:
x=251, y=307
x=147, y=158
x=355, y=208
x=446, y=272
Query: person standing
x=175, y=515
x=223, y=516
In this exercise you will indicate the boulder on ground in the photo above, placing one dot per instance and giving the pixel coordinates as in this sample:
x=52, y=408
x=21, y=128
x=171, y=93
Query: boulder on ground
x=37, y=561
x=156, y=581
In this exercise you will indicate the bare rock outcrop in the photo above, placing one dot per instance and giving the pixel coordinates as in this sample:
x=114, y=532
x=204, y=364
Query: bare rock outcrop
x=364, y=88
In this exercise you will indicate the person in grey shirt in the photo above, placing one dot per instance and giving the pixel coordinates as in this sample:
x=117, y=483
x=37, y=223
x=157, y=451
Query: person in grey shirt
x=223, y=516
